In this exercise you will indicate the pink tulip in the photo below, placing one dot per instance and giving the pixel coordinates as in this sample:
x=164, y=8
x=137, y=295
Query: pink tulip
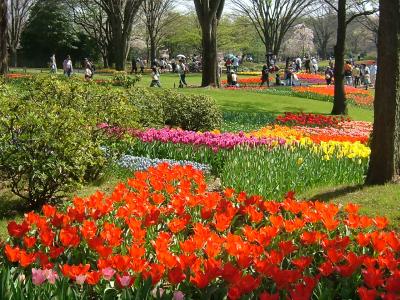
x=51, y=276
x=178, y=295
x=38, y=276
x=80, y=279
x=108, y=273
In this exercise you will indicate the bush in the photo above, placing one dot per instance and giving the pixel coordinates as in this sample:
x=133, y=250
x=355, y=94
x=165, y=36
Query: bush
x=150, y=105
x=165, y=107
x=124, y=80
x=50, y=138
x=44, y=149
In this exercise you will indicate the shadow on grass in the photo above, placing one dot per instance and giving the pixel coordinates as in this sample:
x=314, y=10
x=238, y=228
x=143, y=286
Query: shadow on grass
x=11, y=206
x=339, y=192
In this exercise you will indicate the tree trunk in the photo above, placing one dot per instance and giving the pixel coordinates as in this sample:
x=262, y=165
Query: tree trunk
x=153, y=49
x=105, y=61
x=210, y=65
x=120, y=46
x=3, y=37
x=385, y=157
x=14, y=57
x=339, y=103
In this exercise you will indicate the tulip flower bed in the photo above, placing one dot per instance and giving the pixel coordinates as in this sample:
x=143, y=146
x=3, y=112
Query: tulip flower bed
x=326, y=93
x=311, y=120
x=161, y=235
x=311, y=78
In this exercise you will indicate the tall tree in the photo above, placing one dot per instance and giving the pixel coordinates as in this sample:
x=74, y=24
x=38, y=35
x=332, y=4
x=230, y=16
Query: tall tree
x=3, y=37
x=273, y=18
x=94, y=22
x=49, y=31
x=323, y=23
x=121, y=15
x=19, y=11
x=385, y=157
x=347, y=11
x=156, y=13
x=209, y=13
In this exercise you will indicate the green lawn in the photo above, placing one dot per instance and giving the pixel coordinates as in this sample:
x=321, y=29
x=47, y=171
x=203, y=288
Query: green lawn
x=248, y=101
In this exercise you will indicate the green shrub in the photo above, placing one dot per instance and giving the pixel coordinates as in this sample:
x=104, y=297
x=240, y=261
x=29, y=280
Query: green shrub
x=150, y=105
x=124, y=80
x=50, y=138
x=44, y=149
x=191, y=112
x=166, y=107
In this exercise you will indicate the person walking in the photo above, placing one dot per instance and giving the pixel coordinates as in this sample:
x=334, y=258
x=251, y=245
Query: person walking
x=356, y=75
x=289, y=76
x=228, y=65
x=235, y=64
x=182, y=70
x=367, y=76
x=314, y=64
x=348, y=73
x=328, y=75
x=374, y=71
x=141, y=64
x=155, y=77
x=53, y=64
x=265, y=75
x=307, y=65
x=298, y=64
x=67, y=66
x=134, y=66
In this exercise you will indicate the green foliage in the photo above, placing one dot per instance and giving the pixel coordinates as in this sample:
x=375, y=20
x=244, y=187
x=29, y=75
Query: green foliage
x=44, y=148
x=49, y=135
x=190, y=112
x=242, y=121
x=150, y=106
x=50, y=30
x=166, y=107
x=271, y=173
x=123, y=79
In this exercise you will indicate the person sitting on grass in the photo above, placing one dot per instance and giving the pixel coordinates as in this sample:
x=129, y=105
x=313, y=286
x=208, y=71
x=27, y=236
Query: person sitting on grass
x=155, y=77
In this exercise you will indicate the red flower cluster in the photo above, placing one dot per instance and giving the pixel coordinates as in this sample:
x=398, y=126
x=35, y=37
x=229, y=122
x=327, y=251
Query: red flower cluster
x=164, y=225
x=17, y=76
x=310, y=120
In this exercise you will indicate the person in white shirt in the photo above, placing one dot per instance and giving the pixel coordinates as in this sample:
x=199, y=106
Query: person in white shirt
x=53, y=64
x=67, y=66
x=182, y=69
x=314, y=64
x=298, y=64
x=234, y=79
x=367, y=76
x=155, y=77
x=373, y=71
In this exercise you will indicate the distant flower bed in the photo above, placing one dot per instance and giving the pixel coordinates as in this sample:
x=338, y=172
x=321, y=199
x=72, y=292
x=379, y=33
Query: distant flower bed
x=358, y=96
x=310, y=120
x=136, y=163
x=17, y=76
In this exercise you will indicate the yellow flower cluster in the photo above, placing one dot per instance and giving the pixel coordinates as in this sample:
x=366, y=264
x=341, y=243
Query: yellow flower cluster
x=284, y=132
x=334, y=149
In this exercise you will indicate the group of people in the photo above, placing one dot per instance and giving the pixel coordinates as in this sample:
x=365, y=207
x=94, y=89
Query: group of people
x=181, y=68
x=360, y=74
x=68, y=69
x=310, y=64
